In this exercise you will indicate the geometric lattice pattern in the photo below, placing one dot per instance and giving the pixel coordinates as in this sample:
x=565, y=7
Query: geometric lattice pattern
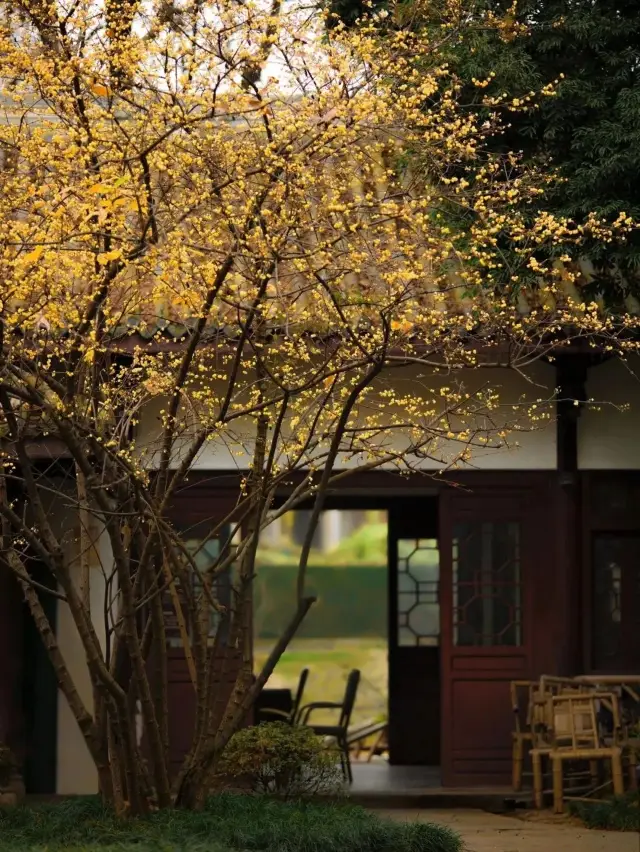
x=487, y=585
x=418, y=597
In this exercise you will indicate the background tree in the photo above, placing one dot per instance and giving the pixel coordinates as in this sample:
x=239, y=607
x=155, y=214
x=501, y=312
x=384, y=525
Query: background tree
x=588, y=130
x=222, y=172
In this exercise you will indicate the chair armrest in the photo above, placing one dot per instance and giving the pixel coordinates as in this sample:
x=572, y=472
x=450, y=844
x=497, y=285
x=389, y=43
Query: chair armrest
x=306, y=711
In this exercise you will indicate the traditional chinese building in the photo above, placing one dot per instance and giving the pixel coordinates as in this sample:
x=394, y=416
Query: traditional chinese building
x=525, y=561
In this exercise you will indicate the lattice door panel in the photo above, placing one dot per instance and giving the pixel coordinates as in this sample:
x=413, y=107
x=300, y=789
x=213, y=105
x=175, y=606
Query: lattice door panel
x=487, y=584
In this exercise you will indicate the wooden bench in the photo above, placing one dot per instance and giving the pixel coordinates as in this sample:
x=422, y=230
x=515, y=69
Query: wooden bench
x=358, y=735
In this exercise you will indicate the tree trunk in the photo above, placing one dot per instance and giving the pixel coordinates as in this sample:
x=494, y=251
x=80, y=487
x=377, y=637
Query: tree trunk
x=86, y=543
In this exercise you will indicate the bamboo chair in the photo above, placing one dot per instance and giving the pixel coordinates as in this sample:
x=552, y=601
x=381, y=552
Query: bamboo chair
x=573, y=734
x=521, y=736
x=627, y=736
x=541, y=722
x=548, y=687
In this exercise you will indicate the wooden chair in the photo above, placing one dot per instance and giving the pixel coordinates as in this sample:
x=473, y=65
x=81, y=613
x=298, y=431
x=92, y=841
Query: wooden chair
x=573, y=734
x=340, y=731
x=273, y=715
x=521, y=736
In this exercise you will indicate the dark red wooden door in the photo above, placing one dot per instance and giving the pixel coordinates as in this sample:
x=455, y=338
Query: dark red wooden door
x=487, y=547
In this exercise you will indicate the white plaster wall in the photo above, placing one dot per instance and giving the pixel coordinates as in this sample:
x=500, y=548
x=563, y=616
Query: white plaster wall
x=532, y=448
x=609, y=428
x=75, y=771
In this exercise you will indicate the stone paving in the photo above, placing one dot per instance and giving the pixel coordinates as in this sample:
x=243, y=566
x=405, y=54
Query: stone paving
x=484, y=832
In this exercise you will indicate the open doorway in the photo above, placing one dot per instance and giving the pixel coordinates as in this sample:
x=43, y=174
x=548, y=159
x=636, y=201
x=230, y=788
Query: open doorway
x=347, y=627
x=375, y=568
x=39, y=694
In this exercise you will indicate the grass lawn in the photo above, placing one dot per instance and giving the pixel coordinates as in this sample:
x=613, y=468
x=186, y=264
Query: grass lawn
x=330, y=661
x=228, y=824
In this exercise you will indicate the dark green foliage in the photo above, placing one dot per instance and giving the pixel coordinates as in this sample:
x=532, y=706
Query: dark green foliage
x=347, y=11
x=228, y=823
x=351, y=602
x=621, y=814
x=589, y=130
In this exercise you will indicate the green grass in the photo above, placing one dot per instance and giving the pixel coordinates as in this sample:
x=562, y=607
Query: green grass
x=330, y=661
x=228, y=824
x=619, y=814
x=304, y=657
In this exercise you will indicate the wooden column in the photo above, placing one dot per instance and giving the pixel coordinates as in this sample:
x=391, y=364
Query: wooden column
x=571, y=376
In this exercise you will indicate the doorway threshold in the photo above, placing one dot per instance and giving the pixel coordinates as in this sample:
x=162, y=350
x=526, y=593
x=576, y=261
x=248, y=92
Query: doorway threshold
x=380, y=785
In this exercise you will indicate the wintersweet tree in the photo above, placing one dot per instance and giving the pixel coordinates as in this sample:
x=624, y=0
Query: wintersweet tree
x=280, y=201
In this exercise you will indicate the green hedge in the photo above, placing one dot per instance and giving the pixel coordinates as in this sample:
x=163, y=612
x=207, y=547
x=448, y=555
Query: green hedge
x=228, y=824
x=351, y=601
x=617, y=814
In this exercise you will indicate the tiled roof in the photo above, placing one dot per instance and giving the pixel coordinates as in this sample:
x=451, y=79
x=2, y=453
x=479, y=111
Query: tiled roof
x=566, y=293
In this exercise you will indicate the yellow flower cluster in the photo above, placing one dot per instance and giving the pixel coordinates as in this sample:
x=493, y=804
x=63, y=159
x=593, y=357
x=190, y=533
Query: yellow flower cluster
x=279, y=201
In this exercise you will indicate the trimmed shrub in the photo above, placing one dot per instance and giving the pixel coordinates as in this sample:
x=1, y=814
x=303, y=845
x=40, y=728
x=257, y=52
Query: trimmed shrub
x=274, y=757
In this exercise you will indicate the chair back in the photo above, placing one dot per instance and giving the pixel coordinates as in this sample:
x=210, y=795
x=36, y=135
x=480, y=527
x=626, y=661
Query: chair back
x=297, y=700
x=575, y=719
x=350, y=694
x=550, y=685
